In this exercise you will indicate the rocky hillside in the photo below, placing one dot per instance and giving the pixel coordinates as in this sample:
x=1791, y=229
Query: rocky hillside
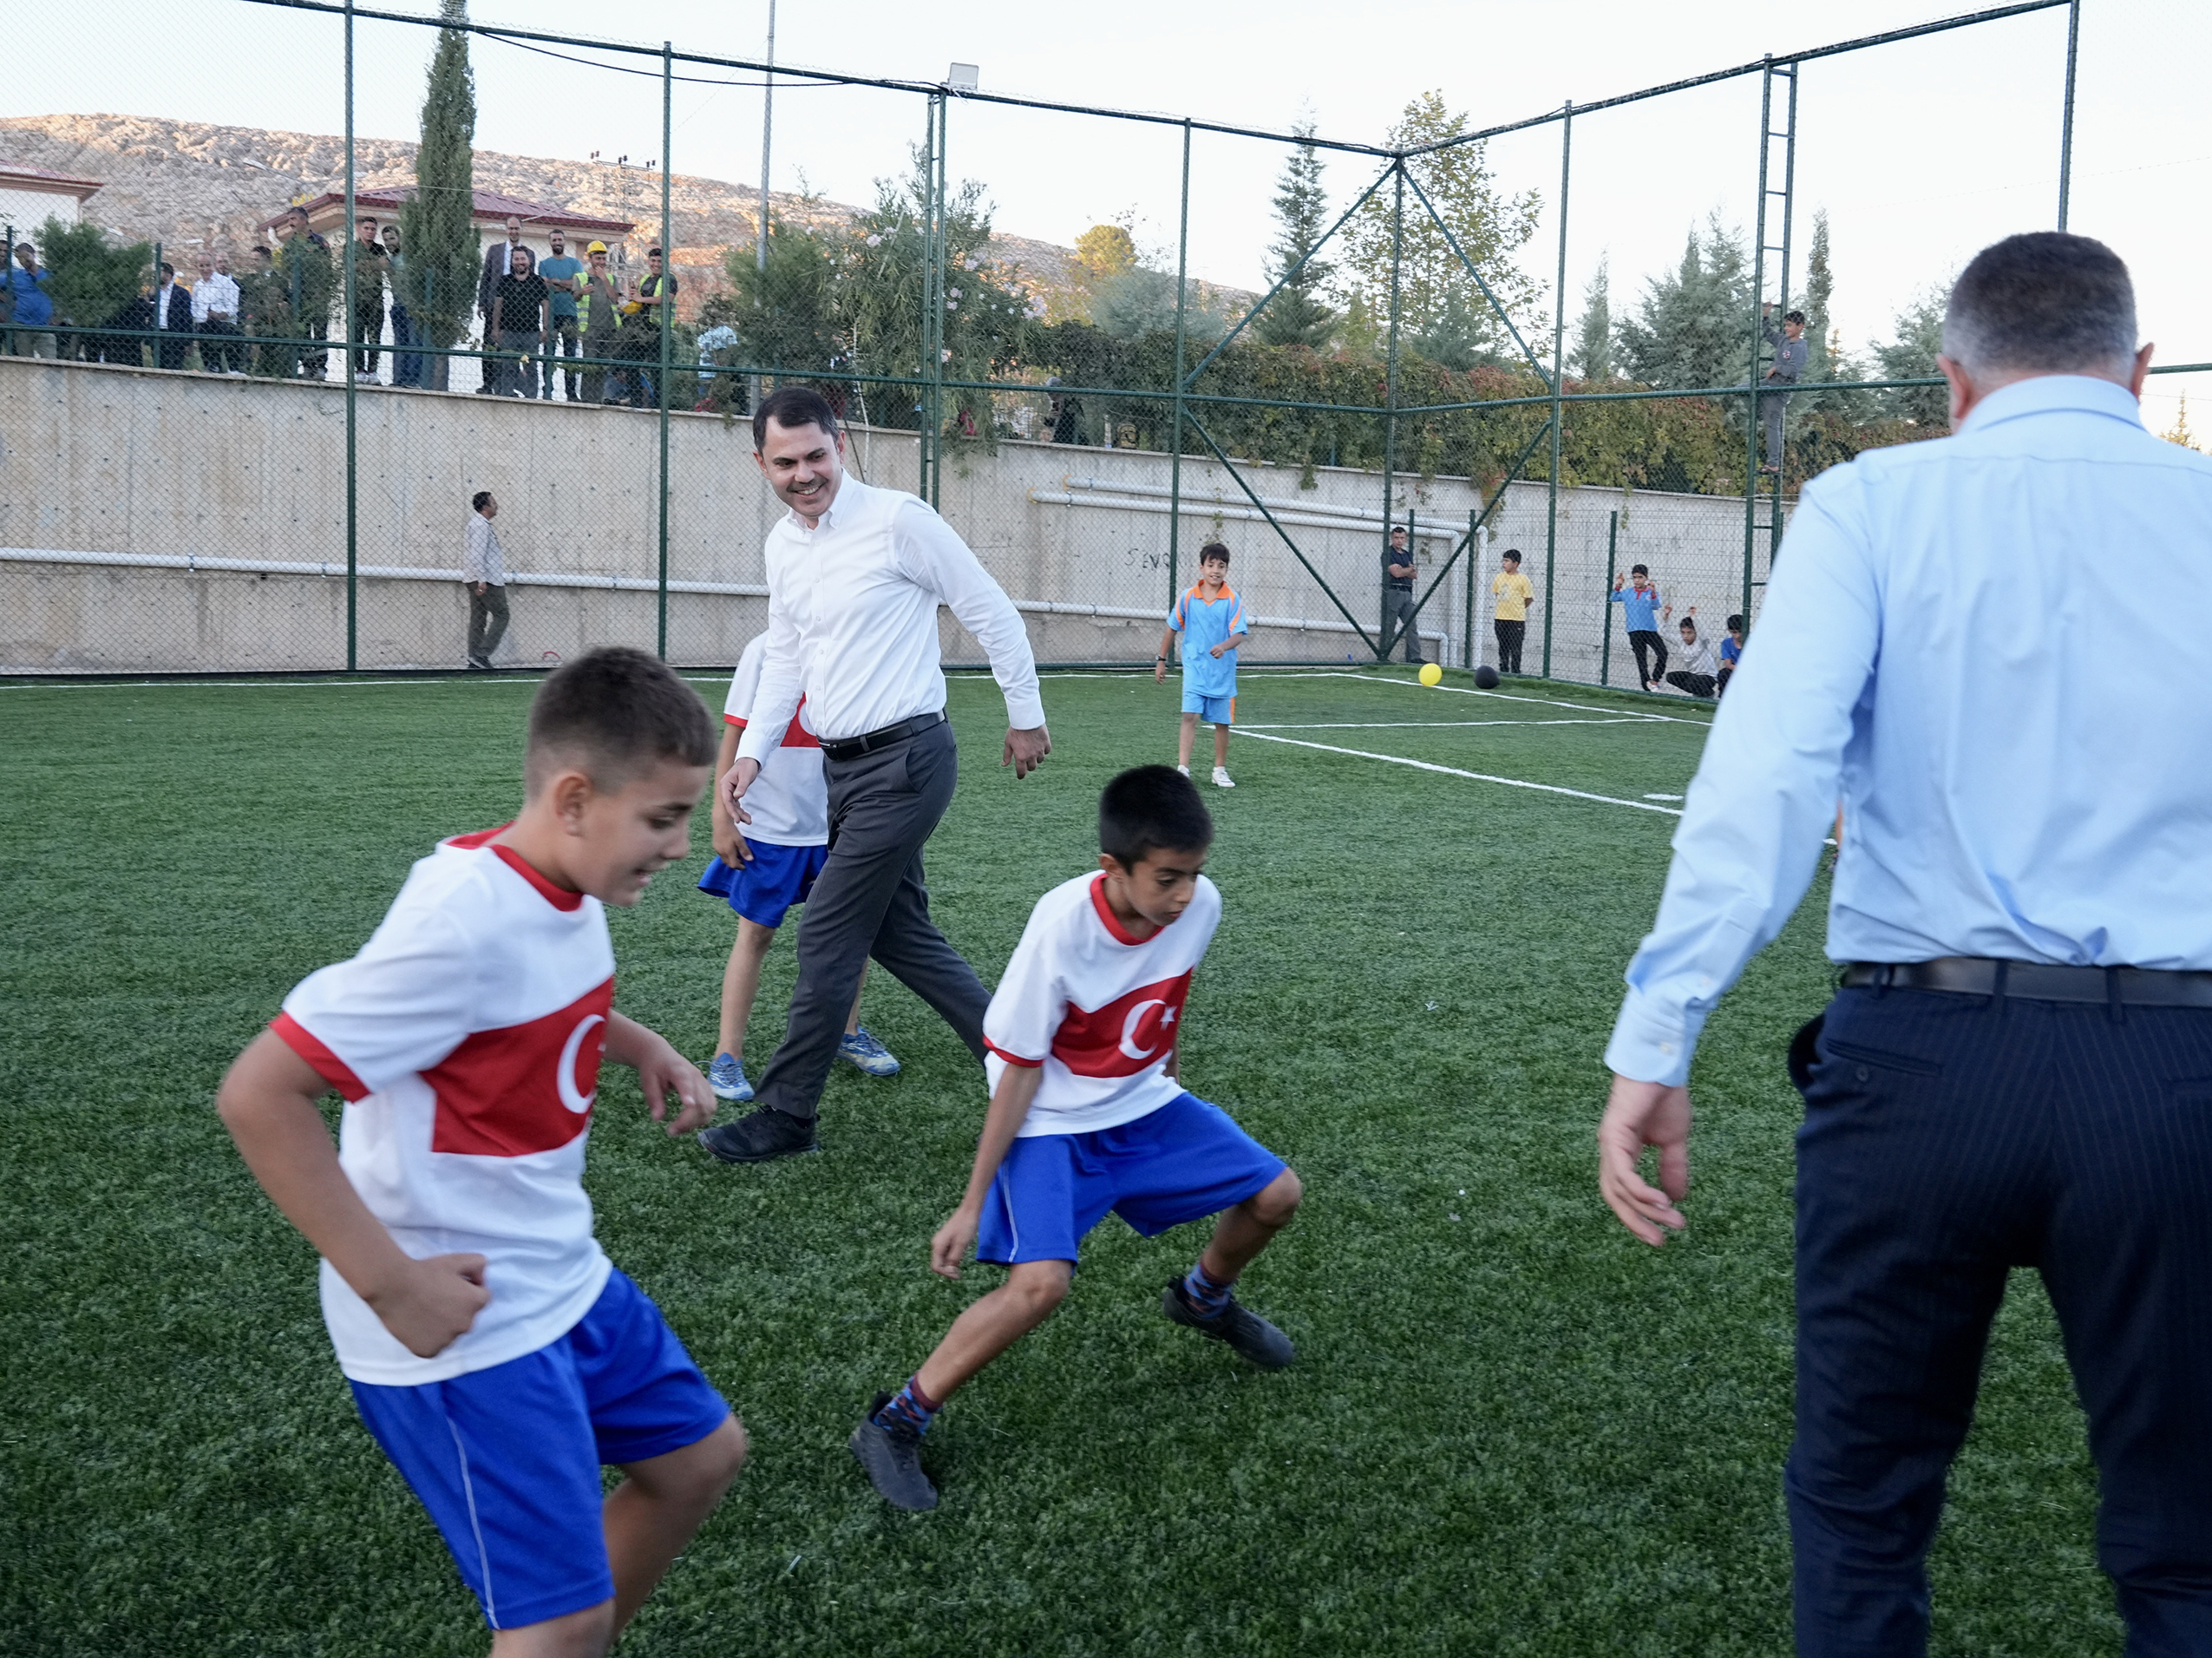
x=178, y=180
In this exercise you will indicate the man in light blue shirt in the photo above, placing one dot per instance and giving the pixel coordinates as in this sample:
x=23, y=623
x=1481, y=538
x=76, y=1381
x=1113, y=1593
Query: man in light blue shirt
x=2016, y=1069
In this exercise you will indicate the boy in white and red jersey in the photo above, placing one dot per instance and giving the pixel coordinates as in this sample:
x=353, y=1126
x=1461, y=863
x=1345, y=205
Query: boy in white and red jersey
x=495, y=1352
x=1089, y=1113
x=766, y=868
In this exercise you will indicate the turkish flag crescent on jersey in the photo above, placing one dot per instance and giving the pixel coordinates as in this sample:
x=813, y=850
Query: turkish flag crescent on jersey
x=1129, y=1034
x=522, y=1088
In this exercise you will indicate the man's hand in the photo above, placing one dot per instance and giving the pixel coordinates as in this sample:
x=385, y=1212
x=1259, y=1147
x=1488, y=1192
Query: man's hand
x=1216, y=652
x=1158, y=670
x=430, y=1304
x=729, y=792
x=1025, y=749
x=1640, y=1114
x=663, y=1071
x=479, y=589
x=953, y=1241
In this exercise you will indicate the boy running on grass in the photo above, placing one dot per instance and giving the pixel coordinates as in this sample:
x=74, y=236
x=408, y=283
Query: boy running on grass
x=1211, y=619
x=494, y=1354
x=1089, y=1113
x=766, y=869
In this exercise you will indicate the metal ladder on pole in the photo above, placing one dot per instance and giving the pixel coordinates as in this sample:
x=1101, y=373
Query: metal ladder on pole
x=1762, y=513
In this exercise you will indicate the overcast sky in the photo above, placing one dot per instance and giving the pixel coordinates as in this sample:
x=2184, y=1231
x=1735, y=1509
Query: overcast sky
x=1919, y=153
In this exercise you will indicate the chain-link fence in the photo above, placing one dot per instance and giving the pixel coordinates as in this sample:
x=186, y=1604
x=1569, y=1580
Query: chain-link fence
x=269, y=464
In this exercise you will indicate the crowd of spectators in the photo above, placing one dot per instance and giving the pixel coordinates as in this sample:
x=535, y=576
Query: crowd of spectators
x=558, y=325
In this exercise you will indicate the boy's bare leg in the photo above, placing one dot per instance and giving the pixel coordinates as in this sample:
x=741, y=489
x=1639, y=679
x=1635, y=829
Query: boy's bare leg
x=587, y=1633
x=654, y=1512
x=993, y=1324
x=1244, y=1231
x=1222, y=747
x=1182, y=743
x=853, y=1019
x=741, y=983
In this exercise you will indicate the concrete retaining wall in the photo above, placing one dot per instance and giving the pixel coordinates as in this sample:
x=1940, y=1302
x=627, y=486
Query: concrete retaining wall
x=138, y=465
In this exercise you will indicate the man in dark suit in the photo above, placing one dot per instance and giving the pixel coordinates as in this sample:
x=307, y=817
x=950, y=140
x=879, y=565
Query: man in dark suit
x=169, y=312
x=499, y=261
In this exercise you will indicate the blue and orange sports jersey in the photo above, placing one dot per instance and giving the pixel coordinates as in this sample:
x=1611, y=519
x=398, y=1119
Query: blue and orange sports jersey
x=1204, y=624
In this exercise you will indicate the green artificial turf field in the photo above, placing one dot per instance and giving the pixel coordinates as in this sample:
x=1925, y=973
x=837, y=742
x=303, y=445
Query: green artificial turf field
x=1511, y=1429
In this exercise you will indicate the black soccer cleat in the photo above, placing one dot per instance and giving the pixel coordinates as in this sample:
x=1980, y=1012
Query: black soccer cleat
x=892, y=1456
x=761, y=1137
x=1243, y=1329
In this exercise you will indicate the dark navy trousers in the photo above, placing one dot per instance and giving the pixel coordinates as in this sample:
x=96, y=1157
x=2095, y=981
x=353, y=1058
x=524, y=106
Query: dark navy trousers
x=1947, y=1139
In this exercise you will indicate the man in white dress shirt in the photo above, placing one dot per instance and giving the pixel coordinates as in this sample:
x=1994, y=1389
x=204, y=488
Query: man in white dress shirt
x=855, y=575
x=2016, y=1069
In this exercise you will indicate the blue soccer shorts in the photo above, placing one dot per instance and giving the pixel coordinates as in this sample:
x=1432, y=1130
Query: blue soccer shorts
x=508, y=1460
x=1218, y=710
x=1184, y=1161
x=764, y=890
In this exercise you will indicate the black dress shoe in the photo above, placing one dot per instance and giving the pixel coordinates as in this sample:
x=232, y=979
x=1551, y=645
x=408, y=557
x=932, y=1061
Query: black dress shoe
x=761, y=1137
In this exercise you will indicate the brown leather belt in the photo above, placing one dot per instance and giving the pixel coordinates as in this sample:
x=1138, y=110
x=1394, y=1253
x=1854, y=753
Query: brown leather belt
x=852, y=748
x=2036, y=981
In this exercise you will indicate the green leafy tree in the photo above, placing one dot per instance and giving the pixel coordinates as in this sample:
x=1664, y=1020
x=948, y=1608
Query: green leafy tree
x=92, y=280
x=1910, y=354
x=437, y=232
x=1591, y=357
x=1693, y=328
x=1297, y=316
x=1490, y=226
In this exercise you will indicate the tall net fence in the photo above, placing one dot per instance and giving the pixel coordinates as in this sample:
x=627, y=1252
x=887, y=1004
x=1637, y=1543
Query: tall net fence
x=269, y=464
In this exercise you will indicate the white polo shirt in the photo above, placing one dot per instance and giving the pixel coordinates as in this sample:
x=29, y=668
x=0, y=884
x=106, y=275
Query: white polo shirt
x=1099, y=1009
x=852, y=619
x=465, y=1039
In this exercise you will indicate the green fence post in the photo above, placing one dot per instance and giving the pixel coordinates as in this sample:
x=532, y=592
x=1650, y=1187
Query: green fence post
x=7, y=262
x=1176, y=441
x=1384, y=638
x=352, y=436
x=667, y=323
x=1605, y=633
x=1558, y=362
x=2065, y=124
x=1474, y=574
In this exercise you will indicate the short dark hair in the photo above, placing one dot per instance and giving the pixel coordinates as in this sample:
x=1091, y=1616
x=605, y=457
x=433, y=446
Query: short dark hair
x=1514, y=552
x=1688, y=623
x=2043, y=302
x=1398, y=529
x=1213, y=550
x=168, y=269
x=367, y=218
x=476, y=502
x=613, y=710
x=1148, y=808
x=262, y=249
x=651, y=252
x=1640, y=569
x=790, y=406
x=1735, y=624
x=1796, y=316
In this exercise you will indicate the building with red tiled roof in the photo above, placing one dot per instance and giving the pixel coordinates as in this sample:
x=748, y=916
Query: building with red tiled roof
x=31, y=195
x=326, y=215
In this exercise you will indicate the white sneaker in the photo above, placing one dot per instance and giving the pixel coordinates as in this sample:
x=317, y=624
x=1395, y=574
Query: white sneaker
x=1221, y=778
x=1184, y=770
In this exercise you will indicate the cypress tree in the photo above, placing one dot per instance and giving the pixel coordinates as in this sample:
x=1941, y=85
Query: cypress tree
x=1592, y=357
x=437, y=230
x=1296, y=316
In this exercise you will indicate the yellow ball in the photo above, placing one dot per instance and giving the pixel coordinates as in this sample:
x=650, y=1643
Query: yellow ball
x=1431, y=674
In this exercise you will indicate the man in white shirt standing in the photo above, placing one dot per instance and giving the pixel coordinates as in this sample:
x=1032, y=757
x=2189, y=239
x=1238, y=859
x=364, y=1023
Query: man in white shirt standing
x=483, y=572
x=854, y=578
x=2016, y=1069
x=214, y=316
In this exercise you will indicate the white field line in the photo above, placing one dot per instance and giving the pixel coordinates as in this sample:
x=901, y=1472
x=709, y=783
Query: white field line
x=1474, y=777
x=1430, y=725
x=338, y=682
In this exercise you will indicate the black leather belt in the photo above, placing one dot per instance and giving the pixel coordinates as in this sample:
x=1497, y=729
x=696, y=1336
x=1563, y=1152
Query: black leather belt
x=852, y=748
x=2035, y=981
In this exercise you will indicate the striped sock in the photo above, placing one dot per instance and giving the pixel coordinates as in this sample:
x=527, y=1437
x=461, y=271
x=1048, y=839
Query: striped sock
x=911, y=1406
x=1206, y=1297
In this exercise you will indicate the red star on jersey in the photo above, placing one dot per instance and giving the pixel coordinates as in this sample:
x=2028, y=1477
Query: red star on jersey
x=1131, y=1034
